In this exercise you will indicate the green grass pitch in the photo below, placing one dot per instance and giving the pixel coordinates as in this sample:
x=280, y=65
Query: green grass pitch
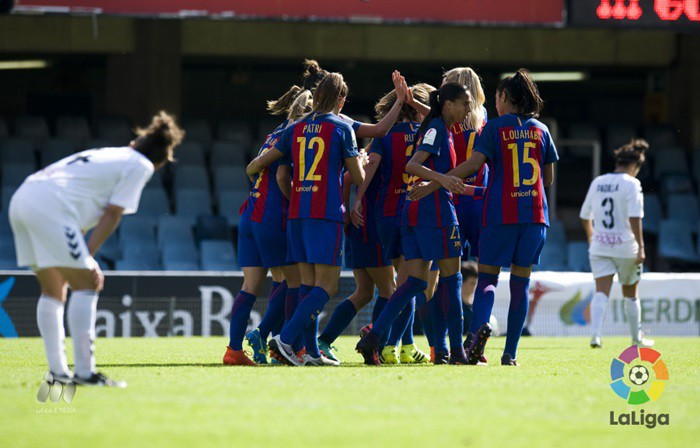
x=179, y=395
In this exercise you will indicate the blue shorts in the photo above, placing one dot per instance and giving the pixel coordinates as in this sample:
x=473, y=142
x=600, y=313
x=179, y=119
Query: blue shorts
x=431, y=243
x=261, y=244
x=360, y=255
x=315, y=241
x=469, y=213
x=389, y=229
x=518, y=244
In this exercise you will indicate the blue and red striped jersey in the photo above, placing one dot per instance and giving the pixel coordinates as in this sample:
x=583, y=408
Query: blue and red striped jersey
x=396, y=149
x=464, y=146
x=436, y=209
x=517, y=148
x=266, y=203
x=317, y=146
x=368, y=232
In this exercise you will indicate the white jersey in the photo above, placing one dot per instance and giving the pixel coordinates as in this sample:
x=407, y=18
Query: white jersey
x=86, y=182
x=611, y=200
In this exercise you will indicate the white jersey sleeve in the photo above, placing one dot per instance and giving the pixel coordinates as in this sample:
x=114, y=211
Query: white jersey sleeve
x=635, y=200
x=127, y=191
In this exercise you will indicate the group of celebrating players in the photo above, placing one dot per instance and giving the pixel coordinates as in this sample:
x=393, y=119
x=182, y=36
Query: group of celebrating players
x=438, y=182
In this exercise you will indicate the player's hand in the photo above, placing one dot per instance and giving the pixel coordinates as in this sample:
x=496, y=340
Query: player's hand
x=409, y=97
x=401, y=92
x=363, y=157
x=356, y=214
x=453, y=183
x=251, y=170
x=420, y=191
x=97, y=276
x=641, y=256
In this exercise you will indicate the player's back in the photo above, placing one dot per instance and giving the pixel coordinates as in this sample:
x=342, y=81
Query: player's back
x=266, y=201
x=85, y=182
x=318, y=146
x=396, y=149
x=611, y=200
x=517, y=148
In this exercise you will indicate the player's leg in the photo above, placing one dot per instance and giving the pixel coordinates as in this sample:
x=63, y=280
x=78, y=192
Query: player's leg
x=293, y=277
x=630, y=274
x=431, y=318
x=253, y=280
x=449, y=294
x=82, y=314
x=273, y=317
x=49, y=317
x=603, y=273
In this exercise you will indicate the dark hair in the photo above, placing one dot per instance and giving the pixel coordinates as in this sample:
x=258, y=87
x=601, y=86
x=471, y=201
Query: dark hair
x=631, y=153
x=521, y=90
x=159, y=139
x=313, y=74
x=420, y=92
x=469, y=269
x=329, y=91
x=447, y=92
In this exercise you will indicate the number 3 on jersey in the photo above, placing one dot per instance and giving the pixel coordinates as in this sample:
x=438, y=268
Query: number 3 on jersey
x=320, y=147
x=513, y=147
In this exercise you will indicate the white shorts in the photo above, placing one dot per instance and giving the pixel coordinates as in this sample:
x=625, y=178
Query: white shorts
x=628, y=272
x=46, y=235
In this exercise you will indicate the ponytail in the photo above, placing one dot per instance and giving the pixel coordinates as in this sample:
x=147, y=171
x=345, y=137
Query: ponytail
x=302, y=105
x=521, y=90
x=313, y=74
x=159, y=139
x=281, y=105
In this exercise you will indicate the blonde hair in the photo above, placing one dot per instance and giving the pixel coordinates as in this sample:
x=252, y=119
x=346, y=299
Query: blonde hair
x=421, y=92
x=301, y=106
x=329, y=92
x=468, y=78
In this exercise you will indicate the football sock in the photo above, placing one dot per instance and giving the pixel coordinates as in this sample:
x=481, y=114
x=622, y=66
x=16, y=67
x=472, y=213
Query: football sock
x=399, y=299
x=379, y=305
x=468, y=314
x=634, y=318
x=49, y=318
x=452, y=307
x=240, y=312
x=407, y=338
x=310, y=332
x=307, y=313
x=598, y=305
x=439, y=322
x=425, y=314
x=484, y=296
x=400, y=324
x=82, y=313
x=517, y=312
x=298, y=342
x=343, y=314
x=290, y=303
x=275, y=309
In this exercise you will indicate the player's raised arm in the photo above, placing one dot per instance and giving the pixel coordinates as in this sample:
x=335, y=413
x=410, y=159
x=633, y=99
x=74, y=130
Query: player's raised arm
x=380, y=129
x=263, y=160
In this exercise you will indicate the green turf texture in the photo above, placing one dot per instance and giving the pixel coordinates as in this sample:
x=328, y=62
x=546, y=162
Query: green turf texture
x=179, y=395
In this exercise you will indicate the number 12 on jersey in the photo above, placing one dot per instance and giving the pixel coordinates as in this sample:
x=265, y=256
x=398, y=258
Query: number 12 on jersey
x=320, y=147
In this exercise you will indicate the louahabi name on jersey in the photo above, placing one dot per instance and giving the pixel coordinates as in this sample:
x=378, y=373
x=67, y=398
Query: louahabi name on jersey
x=532, y=134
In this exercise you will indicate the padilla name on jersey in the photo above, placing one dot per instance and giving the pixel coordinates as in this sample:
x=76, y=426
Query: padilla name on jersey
x=266, y=203
x=88, y=181
x=318, y=146
x=517, y=148
x=396, y=149
x=611, y=200
x=436, y=209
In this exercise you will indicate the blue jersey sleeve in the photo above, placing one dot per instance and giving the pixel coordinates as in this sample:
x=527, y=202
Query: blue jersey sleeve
x=485, y=142
x=347, y=136
x=551, y=156
x=377, y=147
x=356, y=125
x=433, y=138
x=284, y=145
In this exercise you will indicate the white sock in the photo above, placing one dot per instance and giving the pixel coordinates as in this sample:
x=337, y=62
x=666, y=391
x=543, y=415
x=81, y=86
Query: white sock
x=49, y=318
x=598, y=306
x=82, y=312
x=633, y=311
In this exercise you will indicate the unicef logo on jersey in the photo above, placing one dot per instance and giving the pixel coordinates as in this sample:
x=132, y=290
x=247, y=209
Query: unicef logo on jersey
x=638, y=376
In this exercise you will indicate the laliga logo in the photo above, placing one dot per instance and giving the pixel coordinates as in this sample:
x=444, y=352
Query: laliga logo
x=670, y=10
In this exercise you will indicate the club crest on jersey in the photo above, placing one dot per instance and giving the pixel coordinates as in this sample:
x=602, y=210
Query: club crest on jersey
x=430, y=136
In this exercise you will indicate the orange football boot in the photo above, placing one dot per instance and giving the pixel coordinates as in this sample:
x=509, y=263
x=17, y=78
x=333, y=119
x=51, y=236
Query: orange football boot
x=237, y=358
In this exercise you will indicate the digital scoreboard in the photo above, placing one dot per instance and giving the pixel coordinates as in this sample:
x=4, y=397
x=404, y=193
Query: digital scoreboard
x=664, y=14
